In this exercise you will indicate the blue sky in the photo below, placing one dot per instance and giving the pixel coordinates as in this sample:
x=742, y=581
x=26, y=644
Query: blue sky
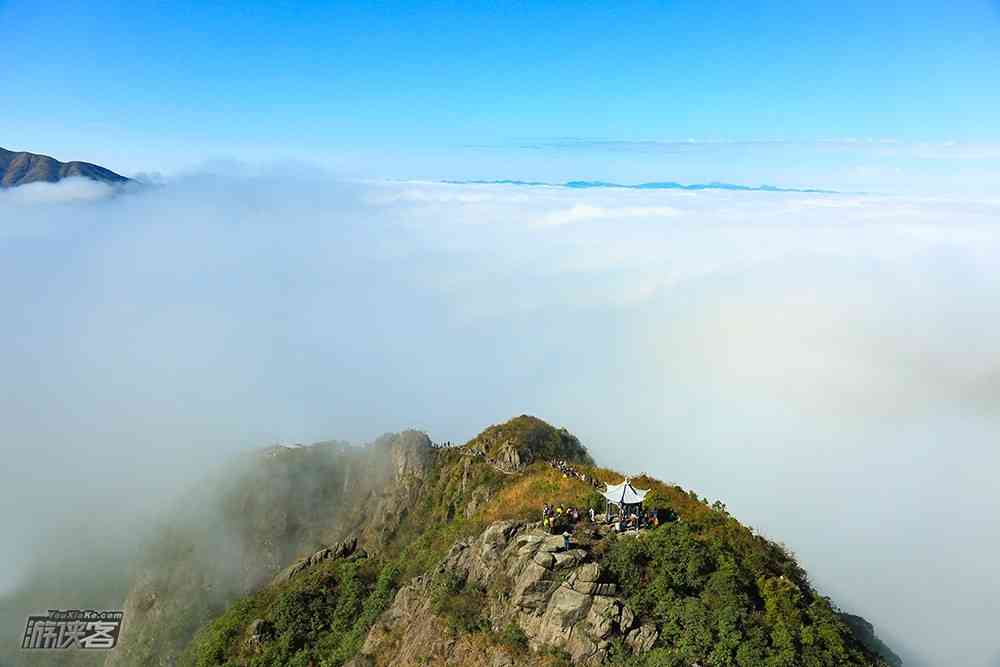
x=529, y=90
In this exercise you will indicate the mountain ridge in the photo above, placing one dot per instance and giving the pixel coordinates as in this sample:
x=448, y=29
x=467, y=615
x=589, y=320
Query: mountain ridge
x=653, y=185
x=21, y=168
x=407, y=552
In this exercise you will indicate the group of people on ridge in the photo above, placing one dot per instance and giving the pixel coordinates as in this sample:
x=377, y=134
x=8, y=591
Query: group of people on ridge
x=637, y=520
x=567, y=470
x=559, y=516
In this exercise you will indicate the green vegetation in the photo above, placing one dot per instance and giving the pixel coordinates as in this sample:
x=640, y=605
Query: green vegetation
x=718, y=594
x=319, y=618
x=533, y=439
x=438, y=519
x=865, y=633
x=460, y=604
x=513, y=637
x=427, y=530
x=722, y=597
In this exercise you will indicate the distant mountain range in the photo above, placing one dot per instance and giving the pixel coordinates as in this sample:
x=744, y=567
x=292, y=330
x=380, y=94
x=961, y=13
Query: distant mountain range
x=664, y=185
x=20, y=168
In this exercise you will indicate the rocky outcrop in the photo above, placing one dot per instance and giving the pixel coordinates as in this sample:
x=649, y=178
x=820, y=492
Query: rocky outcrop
x=558, y=596
x=406, y=459
x=346, y=549
x=515, y=444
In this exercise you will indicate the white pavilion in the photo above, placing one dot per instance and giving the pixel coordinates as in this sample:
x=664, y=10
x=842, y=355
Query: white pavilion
x=624, y=497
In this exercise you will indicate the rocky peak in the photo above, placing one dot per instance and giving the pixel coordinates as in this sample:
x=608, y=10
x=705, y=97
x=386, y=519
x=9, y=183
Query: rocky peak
x=411, y=454
x=517, y=443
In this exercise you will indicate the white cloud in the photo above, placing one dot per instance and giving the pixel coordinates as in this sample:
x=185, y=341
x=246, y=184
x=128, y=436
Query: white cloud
x=586, y=212
x=67, y=191
x=824, y=363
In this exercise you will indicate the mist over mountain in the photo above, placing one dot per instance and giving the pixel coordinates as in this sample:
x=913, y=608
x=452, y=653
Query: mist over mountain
x=22, y=168
x=744, y=256
x=824, y=364
x=404, y=552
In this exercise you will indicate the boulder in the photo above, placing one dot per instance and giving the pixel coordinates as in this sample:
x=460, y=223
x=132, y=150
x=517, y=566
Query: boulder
x=532, y=586
x=292, y=570
x=603, y=614
x=346, y=548
x=580, y=647
x=570, y=558
x=566, y=607
x=552, y=544
x=498, y=534
x=530, y=538
x=642, y=638
x=589, y=572
x=320, y=555
x=627, y=619
x=545, y=559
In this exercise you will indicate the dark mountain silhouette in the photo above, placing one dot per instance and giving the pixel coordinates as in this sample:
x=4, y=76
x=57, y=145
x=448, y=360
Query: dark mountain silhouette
x=20, y=168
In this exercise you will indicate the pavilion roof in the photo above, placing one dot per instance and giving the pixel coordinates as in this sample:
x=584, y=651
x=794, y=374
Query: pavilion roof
x=624, y=493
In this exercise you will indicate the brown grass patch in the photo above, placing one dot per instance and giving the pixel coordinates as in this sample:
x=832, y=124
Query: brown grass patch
x=540, y=484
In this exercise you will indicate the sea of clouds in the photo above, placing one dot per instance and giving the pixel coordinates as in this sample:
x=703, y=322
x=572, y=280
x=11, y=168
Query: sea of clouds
x=827, y=365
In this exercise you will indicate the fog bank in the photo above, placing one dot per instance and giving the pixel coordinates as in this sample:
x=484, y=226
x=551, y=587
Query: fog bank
x=825, y=364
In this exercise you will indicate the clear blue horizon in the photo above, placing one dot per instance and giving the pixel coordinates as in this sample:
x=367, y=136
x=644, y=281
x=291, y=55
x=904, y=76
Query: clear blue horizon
x=853, y=95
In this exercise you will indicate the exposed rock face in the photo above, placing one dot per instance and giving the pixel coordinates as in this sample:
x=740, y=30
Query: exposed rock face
x=554, y=594
x=394, y=489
